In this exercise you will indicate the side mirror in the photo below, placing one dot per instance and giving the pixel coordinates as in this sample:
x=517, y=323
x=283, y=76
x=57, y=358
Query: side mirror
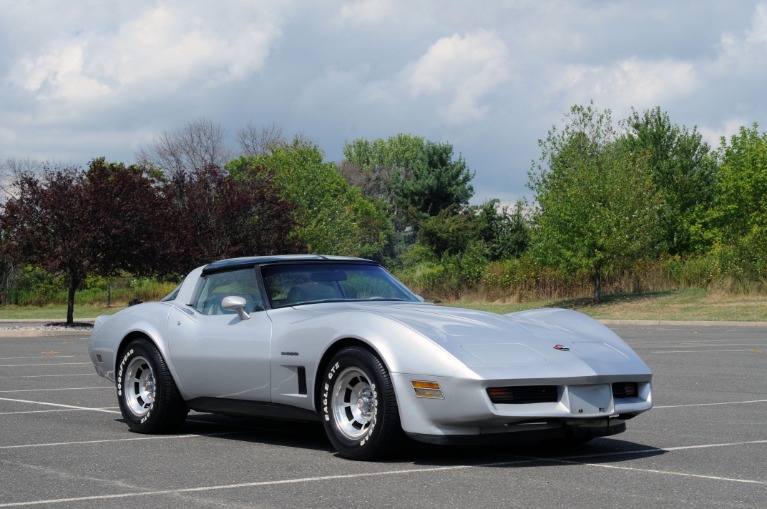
x=234, y=303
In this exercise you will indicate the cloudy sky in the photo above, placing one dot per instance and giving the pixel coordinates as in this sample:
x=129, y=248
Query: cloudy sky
x=83, y=79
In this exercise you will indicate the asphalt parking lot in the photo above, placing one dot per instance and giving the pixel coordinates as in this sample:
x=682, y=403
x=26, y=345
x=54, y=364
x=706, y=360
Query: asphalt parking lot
x=704, y=445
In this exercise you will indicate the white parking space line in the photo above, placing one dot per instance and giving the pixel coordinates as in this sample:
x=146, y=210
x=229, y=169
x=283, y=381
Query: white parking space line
x=519, y=461
x=119, y=440
x=59, y=389
x=708, y=344
x=138, y=493
x=754, y=350
x=44, y=411
x=749, y=402
x=659, y=472
x=43, y=376
x=40, y=357
x=708, y=446
x=59, y=405
x=43, y=364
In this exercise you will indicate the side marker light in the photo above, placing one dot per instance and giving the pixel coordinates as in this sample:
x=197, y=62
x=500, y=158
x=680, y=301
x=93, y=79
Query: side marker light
x=425, y=389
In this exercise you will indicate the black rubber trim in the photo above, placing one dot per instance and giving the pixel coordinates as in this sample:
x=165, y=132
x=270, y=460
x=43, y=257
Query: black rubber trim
x=251, y=409
x=589, y=429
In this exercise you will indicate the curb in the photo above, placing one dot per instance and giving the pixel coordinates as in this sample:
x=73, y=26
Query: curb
x=692, y=323
x=36, y=333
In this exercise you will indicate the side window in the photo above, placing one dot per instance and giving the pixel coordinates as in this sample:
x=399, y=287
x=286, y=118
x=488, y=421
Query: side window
x=216, y=286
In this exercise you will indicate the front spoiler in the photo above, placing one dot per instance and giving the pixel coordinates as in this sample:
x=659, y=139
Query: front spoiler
x=575, y=430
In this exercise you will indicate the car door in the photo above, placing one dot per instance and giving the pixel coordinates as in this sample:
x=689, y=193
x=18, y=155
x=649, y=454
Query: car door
x=214, y=352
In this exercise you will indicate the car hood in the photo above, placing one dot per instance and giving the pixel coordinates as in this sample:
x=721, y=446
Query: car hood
x=539, y=343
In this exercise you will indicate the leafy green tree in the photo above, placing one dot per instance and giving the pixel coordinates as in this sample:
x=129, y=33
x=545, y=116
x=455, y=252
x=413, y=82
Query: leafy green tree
x=449, y=232
x=502, y=233
x=331, y=217
x=684, y=171
x=740, y=212
x=435, y=182
x=374, y=166
x=597, y=204
x=505, y=230
x=417, y=183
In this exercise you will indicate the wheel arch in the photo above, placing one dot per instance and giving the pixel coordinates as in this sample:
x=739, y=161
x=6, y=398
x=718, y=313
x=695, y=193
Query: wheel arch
x=324, y=361
x=151, y=339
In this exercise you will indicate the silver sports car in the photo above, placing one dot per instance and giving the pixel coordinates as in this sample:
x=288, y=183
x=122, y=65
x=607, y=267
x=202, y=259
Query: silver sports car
x=342, y=341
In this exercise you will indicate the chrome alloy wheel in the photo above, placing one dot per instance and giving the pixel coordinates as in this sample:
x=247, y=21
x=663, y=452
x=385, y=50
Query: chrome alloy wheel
x=139, y=386
x=353, y=403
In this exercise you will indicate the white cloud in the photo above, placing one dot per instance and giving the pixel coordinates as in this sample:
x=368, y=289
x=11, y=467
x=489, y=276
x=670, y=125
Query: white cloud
x=757, y=35
x=714, y=135
x=364, y=12
x=461, y=72
x=627, y=83
x=83, y=78
x=159, y=51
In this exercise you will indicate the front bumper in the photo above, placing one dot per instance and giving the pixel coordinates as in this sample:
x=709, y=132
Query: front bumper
x=583, y=429
x=583, y=407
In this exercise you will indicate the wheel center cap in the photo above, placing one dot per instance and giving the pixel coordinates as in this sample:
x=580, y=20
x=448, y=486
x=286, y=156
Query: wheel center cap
x=366, y=403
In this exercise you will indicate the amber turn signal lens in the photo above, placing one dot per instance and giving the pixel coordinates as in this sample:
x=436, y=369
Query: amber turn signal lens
x=425, y=389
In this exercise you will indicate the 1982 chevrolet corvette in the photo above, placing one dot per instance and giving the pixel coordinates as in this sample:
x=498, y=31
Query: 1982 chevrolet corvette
x=342, y=341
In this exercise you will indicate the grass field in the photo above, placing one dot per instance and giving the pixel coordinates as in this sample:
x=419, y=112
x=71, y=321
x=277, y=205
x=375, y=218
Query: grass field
x=687, y=305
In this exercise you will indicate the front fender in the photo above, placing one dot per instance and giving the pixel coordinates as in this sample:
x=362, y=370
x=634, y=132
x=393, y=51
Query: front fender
x=111, y=334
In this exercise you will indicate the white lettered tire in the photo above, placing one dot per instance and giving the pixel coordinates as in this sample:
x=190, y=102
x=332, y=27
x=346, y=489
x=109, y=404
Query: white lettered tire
x=148, y=397
x=359, y=408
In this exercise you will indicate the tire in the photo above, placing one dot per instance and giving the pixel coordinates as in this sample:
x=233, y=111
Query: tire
x=359, y=408
x=148, y=396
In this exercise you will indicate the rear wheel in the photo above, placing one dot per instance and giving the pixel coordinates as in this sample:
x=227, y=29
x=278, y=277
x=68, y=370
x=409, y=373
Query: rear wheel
x=148, y=397
x=359, y=406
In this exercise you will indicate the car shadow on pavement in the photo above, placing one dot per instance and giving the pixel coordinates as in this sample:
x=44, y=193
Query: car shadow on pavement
x=535, y=454
x=311, y=435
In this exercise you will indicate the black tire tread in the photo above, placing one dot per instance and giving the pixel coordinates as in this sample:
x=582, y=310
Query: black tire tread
x=387, y=438
x=169, y=410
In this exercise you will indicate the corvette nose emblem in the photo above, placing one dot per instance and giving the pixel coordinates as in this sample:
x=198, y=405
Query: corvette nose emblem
x=562, y=348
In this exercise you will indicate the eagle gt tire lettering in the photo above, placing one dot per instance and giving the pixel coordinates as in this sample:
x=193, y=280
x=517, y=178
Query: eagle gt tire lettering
x=148, y=397
x=359, y=408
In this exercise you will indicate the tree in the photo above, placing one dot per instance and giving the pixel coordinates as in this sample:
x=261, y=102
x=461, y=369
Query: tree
x=256, y=141
x=374, y=166
x=448, y=232
x=77, y=223
x=128, y=220
x=435, y=182
x=505, y=231
x=413, y=181
x=597, y=204
x=330, y=216
x=740, y=213
x=219, y=216
x=198, y=144
x=684, y=172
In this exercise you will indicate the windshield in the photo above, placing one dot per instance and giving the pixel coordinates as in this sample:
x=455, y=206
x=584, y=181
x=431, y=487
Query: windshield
x=304, y=283
x=172, y=295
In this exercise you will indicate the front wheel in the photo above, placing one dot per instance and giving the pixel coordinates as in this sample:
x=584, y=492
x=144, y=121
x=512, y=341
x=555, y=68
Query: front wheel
x=148, y=397
x=359, y=408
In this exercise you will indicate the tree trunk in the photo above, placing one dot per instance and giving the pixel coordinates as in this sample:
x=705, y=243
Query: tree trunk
x=71, y=302
x=598, y=284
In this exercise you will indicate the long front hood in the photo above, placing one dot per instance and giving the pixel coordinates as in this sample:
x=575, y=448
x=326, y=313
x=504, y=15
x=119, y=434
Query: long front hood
x=539, y=344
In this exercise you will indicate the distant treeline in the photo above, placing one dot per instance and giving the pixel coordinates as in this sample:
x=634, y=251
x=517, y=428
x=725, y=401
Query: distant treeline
x=637, y=205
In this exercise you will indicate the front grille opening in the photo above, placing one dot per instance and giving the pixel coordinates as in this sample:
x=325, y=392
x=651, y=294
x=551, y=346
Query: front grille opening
x=523, y=394
x=625, y=390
